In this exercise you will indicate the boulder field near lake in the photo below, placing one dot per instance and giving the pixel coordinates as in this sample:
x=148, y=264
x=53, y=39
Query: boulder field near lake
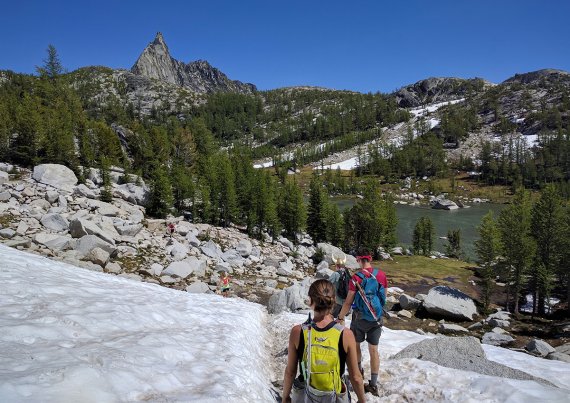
x=46, y=211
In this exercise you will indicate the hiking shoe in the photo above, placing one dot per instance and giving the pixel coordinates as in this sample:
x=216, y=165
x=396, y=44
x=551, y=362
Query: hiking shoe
x=371, y=389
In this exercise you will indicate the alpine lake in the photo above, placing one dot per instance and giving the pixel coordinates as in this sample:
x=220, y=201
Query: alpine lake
x=465, y=219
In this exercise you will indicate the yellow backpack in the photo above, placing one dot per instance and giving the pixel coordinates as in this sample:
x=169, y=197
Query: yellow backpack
x=321, y=360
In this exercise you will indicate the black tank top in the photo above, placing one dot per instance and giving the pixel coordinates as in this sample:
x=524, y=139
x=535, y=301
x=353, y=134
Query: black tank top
x=341, y=352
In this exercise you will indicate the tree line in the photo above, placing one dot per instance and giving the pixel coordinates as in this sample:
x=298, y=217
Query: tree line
x=528, y=247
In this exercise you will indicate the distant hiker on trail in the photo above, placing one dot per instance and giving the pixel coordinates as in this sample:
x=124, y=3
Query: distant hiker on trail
x=340, y=279
x=170, y=228
x=321, y=349
x=225, y=284
x=367, y=290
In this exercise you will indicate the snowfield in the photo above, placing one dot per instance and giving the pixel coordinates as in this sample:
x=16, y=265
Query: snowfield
x=72, y=335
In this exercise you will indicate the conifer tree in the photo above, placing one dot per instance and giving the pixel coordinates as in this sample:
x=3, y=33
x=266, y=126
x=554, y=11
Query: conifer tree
x=160, y=201
x=225, y=193
x=106, y=193
x=454, y=243
x=423, y=236
x=547, y=225
x=52, y=67
x=292, y=211
x=317, y=210
x=335, y=225
x=487, y=248
x=518, y=246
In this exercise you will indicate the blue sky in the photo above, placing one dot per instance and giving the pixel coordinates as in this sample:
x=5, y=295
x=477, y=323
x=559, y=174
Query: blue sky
x=359, y=45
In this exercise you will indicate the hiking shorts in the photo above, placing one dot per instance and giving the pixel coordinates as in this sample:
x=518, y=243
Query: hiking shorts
x=365, y=330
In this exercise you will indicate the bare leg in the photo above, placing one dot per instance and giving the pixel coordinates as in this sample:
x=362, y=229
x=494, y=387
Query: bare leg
x=374, y=358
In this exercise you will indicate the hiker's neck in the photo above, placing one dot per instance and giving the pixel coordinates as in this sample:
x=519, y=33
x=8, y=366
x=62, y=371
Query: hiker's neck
x=367, y=265
x=320, y=316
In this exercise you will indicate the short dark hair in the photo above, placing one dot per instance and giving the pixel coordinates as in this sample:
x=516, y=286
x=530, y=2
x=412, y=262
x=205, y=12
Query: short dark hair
x=363, y=252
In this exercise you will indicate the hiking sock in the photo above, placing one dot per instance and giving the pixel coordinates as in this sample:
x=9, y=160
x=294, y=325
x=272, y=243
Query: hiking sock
x=373, y=379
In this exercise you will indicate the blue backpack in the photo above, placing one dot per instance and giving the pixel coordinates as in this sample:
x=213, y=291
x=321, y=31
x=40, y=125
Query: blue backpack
x=375, y=294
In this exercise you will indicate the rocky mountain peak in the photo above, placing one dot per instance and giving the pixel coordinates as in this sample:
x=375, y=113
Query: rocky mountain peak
x=437, y=89
x=550, y=75
x=155, y=62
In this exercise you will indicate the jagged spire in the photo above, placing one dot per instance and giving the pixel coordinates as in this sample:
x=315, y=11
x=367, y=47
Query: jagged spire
x=155, y=62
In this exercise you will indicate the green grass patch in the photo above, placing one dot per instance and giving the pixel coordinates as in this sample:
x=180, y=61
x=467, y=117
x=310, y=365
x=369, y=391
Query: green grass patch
x=419, y=273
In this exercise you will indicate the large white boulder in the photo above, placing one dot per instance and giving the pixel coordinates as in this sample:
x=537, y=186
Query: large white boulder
x=185, y=268
x=450, y=303
x=285, y=268
x=211, y=249
x=53, y=241
x=330, y=250
x=98, y=256
x=444, y=204
x=244, y=247
x=407, y=302
x=291, y=298
x=539, y=347
x=58, y=176
x=131, y=193
x=4, y=177
x=55, y=222
x=83, y=191
x=198, y=287
x=496, y=339
x=87, y=243
x=80, y=227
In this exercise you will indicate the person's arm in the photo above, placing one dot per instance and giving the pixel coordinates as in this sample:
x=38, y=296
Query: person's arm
x=354, y=373
x=291, y=368
x=346, y=306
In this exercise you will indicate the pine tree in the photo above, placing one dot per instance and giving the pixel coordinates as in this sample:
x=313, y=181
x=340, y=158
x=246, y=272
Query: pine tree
x=52, y=67
x=518, y=246
x=547, y=225
x=225, y=190
x=292, y=211
x=335, y=225
x=317, y=210
x=423, y=236
x=390, y=223
x=487, y=248
x=160, y=201
x=454, y=243
x=106, y=193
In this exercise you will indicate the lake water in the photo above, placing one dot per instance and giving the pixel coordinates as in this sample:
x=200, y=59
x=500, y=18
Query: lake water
x=466, y=219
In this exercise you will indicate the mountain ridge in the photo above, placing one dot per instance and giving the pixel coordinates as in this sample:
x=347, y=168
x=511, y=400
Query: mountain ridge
x=155, y=62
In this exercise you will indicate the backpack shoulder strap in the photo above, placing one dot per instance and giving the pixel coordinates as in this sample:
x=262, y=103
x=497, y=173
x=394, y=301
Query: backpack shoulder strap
x=375, y=273
x=361, y=275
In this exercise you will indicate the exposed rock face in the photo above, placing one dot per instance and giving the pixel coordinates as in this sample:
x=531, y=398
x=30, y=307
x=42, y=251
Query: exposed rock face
x=496, y=339
x=437, y=89
x=291, y=298
x=330, y=250
x=464, y=353
x=155, y=62
x=539, y=347
x=58, y=176
x=444, y=204
x=450, y=303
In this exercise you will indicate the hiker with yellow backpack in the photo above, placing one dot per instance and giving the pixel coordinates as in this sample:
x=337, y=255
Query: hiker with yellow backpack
x=321, y=348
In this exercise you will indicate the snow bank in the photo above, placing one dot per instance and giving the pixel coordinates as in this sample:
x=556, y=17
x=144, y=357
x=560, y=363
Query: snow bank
x=266, y=164
x=416, y=380
x=433, y=107
x=71, y=335
x=346, y=165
